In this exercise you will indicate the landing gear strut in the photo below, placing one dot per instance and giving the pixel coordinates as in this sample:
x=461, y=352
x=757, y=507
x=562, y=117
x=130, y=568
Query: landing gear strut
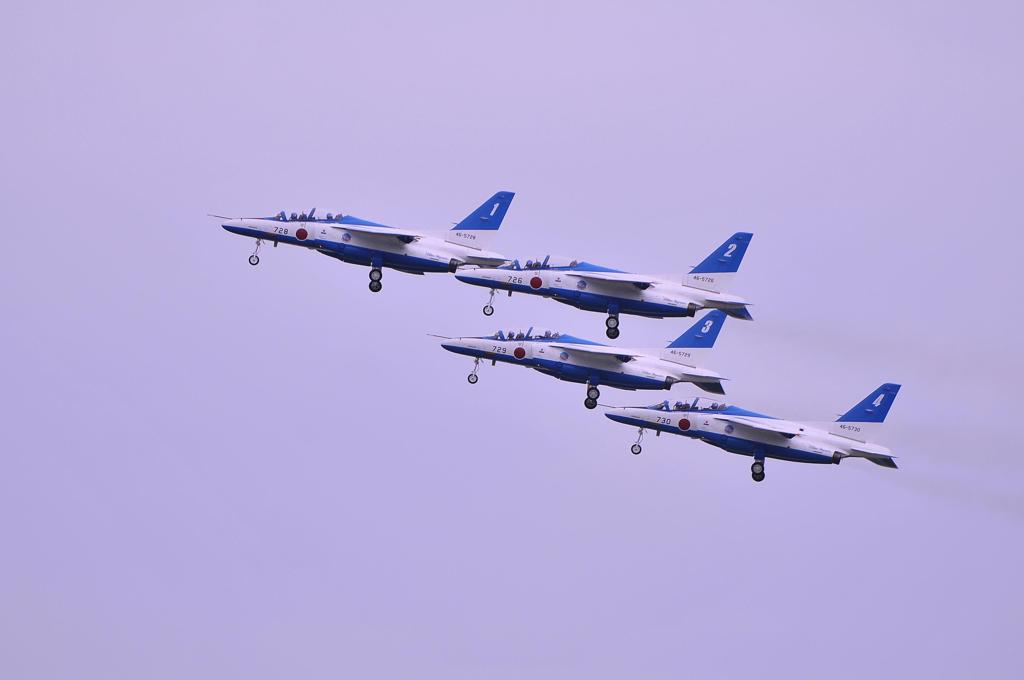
x=635, y=449
x=612, y=326
x=757, y=470
x=593, y=394
x=473, y=377
x=254, y=259
x=488, y=308
x=375, y=276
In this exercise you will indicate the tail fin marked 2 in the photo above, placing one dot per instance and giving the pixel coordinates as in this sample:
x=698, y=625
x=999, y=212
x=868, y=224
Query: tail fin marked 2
x=717, y=270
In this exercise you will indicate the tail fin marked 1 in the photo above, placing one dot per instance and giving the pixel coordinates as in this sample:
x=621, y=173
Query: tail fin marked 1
x=874, y=407
x=703, y=334
x=477, y=229
x=716, y=272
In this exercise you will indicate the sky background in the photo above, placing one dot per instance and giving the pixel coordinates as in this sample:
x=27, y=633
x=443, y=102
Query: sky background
x=212, y=470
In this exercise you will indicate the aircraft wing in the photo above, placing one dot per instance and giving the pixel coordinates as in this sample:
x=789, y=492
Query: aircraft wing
x=596, y=350
x=615, y=277
x=782, y=427
x=403, y=235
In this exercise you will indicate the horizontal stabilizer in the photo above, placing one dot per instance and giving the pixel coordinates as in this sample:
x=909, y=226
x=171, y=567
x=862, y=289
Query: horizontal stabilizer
x=714, y=387
x=877, y=458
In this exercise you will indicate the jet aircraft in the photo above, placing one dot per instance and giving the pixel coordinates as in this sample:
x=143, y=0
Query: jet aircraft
x=753, y=434
x=581, y=361
x=596, y=288
x=358, y=241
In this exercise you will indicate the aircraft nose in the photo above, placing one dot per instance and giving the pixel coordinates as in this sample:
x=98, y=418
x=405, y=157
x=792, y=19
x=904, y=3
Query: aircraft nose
x=461, y=347
x=232, y=225
x=618, y=416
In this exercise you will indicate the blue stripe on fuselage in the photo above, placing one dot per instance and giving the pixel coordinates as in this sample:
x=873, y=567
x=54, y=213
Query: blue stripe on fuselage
x=566, y=371
x=737, y=445
x=348, y=253
x=593, y=302
x=590, y=302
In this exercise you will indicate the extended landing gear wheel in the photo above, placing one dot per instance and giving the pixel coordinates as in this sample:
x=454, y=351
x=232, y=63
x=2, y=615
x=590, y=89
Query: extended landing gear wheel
x=375, y=286
x=254, y=260
x=590, y=403
x=593, y=393
x=635, y=449
x=612, y=321
x=472, y=378
x=612, y=333
x=376, y=274
x=488, y=309
x=757, y=471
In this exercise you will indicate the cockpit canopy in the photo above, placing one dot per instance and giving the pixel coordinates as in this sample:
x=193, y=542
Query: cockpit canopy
x=530, y=334
x=305, y=217
x=695, y=404
x=547, y=262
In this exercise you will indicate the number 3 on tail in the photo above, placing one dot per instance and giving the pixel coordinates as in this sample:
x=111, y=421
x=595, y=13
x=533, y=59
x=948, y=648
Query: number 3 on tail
x=707, y=326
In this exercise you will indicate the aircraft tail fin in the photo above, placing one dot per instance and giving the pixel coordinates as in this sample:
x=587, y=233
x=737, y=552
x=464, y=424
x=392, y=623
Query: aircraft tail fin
x=480, y=227
x=698, y=340
x=717, y=271
x=867, y=416
x=872, y=408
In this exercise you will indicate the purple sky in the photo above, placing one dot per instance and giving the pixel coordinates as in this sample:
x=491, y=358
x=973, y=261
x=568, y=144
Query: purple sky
x=212, y=470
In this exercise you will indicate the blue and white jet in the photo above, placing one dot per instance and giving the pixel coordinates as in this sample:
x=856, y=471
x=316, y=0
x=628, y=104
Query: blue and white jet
x=358, y=241
x=595, y=288
x=754, y=434
x=582, y=361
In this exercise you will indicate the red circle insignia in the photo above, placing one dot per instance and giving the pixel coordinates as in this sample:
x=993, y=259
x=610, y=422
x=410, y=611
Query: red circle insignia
x=519, y=353
x=684, y=424
x=536, y=282
x=301, y=234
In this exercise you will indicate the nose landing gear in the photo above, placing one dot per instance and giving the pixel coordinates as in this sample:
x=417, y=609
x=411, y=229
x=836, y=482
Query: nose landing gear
x=612, y=326
x=635, y=449
x=489, y=308
x=473, y=377
x=254, y=259
x=375, y=276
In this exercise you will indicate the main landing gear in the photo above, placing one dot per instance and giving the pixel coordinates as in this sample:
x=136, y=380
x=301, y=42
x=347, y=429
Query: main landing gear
x=254, y=259
x=473, y=377
x=593, y=394
x=635, y=449
x=612, y=326
x=375, y=276
x=489, y=308
x=757, y=470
